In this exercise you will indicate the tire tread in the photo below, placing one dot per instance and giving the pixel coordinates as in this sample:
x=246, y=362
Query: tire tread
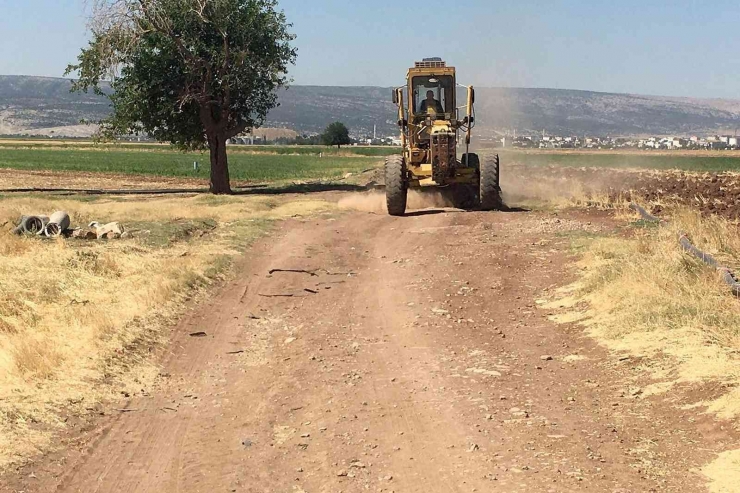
x=396, y=189
x=490, y=191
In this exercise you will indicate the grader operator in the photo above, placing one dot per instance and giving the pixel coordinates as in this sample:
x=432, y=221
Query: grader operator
x=430, y=130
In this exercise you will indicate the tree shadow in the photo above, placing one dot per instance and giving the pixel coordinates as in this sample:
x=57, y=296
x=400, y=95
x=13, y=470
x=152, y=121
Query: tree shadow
x=506, y=208
x=428, y=212
x=300, y=189
x=259, y=189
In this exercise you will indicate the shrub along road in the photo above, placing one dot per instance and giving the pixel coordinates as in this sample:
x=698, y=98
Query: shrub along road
x=392, y=354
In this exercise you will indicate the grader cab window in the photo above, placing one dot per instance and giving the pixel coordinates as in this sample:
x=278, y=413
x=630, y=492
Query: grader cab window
x=433, y=95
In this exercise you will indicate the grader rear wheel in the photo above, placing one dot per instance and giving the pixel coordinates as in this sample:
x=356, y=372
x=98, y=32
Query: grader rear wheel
x=490, y=191
x=396, y=188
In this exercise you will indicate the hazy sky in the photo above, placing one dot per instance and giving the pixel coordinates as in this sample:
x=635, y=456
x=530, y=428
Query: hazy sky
x=681, y=48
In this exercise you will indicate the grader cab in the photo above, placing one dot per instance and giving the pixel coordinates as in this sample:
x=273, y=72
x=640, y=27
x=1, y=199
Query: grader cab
x=431, y=128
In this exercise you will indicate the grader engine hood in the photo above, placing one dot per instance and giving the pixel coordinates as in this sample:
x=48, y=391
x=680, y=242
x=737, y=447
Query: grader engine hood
x=443, y=150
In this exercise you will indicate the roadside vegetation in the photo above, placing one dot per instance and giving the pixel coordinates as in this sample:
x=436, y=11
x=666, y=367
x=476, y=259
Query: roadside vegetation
x=664, y=312
x=638, y=292
x=79, y=319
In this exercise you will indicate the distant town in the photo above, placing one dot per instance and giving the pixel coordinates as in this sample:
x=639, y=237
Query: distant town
x=714, y=142
x=283, y=136
x=694, y=142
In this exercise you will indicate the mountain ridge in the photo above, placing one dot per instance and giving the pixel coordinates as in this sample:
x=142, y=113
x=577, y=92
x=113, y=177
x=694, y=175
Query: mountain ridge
x=31, y=104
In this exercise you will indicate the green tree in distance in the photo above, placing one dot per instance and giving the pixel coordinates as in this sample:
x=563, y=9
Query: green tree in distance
x=336, y=134
x=194, y=73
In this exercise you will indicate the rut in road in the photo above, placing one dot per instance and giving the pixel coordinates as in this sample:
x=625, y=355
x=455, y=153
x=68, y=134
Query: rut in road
x=390, y=354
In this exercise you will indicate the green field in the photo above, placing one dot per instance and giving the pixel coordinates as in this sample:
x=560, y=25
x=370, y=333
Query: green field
x=243, y=167
x=260, y=164
x=316, y=150
x=679, y=161
x=234, y=149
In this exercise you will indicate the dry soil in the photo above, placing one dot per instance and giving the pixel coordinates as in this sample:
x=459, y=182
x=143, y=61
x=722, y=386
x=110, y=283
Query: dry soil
x=391, y=354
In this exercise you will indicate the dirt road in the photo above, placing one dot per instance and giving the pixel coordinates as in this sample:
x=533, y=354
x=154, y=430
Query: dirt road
x=391, y=354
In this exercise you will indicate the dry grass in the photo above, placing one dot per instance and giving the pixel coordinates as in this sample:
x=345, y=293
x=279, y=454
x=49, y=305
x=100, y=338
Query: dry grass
x=724, y=473
x=641, y=294
x=645, y=296
x=78, y=318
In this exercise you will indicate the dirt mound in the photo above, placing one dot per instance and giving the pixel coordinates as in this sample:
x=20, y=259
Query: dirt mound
x=710, y=193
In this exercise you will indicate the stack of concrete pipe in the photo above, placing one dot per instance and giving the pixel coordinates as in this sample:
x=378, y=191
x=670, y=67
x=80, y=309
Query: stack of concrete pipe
x=31, y=225
x=51, y=227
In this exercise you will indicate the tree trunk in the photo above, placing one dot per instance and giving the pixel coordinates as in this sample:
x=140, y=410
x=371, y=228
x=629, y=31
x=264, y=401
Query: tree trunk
x=219, y=165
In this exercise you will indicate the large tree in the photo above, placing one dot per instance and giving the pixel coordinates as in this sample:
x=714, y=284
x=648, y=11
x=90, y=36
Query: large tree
x=191, y=72
x=336, y=134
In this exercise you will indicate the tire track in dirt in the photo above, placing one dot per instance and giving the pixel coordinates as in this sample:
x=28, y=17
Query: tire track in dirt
x=421, y=364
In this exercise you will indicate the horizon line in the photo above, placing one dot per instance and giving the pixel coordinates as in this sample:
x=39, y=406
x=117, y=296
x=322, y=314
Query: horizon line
x=530, y=88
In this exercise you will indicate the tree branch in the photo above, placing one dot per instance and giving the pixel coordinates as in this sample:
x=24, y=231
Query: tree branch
x=239, y=128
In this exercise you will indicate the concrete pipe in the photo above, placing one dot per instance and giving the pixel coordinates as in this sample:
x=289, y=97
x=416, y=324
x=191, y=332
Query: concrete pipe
x=58, y=223
x=19, y=230
x=32, y=225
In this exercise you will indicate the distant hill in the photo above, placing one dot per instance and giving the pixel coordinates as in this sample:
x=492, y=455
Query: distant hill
x=585, y=112
x=39, y=103
x=43, y=105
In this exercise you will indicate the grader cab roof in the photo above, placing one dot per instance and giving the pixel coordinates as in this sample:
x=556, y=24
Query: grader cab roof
x=431, y=66
x=435, y=62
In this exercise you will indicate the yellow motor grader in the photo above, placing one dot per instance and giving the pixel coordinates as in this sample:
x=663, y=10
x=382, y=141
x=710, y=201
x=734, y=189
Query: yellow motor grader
x=430, y=130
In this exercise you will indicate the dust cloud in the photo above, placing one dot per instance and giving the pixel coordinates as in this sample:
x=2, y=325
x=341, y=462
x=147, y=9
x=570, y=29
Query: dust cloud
x=375, y=201
x=519, y=188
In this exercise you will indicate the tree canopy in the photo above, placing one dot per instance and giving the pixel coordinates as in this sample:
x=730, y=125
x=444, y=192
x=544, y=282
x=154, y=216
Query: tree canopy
x=191, y=72
x=336, y=134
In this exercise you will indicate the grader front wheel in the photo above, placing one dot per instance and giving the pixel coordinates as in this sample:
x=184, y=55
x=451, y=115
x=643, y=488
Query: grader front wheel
x=396, y=188
x=490, y=190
